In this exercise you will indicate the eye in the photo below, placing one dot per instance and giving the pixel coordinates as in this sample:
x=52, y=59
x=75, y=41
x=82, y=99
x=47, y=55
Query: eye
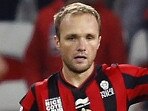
x=71, y=37
x=90, y=37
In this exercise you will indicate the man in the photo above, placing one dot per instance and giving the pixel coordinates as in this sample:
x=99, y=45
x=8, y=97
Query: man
x=81, y=85
x=41, y=50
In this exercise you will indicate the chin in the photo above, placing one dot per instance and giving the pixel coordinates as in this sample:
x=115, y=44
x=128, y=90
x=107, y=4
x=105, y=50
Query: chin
x=80, y=69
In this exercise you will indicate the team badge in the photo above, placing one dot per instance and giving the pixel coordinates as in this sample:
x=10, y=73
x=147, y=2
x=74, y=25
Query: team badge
x=104, y=85
x=107, y=92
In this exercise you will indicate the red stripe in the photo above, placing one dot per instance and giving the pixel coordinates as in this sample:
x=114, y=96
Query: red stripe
x=28, y=101
x=42, y=94
x=93, y=92
x=67, y=97
x=117, y=81
x=140, y=90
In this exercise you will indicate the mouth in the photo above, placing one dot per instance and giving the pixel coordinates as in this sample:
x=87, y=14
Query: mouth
x=80, y=59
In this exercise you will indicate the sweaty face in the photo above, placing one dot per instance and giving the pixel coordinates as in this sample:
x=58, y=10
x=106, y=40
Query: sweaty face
x=79, y=41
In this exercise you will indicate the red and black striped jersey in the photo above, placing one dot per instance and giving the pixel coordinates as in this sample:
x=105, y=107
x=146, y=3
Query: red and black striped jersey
x=112, y=88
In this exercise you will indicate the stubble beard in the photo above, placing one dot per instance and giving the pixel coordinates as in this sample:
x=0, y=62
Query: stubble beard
x=77, y=69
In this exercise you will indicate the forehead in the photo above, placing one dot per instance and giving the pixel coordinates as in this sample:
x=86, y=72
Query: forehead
x=73, y=16
x=81, y=25
x=79, y=19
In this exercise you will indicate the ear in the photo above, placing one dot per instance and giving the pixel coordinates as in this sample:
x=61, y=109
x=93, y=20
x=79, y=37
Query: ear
x=57, y=42
x=99, y=41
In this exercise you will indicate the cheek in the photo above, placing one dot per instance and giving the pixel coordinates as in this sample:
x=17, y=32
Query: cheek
x=94, y=46
x=66, y=50
x=93, y=50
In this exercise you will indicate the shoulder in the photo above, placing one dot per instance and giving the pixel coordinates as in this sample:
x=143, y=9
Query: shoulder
x=38, y=86
x=122, y=67
x=129, y=68
x=125, y=68
x=44, y=83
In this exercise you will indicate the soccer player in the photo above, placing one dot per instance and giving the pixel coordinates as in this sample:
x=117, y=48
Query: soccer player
x=81, y=85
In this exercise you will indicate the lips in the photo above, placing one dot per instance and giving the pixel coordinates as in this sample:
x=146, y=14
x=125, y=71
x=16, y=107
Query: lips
x=80, y=58
x=83, y=56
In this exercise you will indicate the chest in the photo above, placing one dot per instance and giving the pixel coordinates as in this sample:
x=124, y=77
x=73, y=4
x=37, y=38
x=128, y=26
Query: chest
x=96, y=97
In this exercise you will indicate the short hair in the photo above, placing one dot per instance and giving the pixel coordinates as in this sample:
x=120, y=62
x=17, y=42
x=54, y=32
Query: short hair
x=74, y=8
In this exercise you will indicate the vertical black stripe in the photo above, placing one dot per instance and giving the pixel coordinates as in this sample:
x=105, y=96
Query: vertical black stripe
x=110, y=102
x=34, y=107
x=53, y=92
x=80, y=95
x=33, y=90
x=53, y=86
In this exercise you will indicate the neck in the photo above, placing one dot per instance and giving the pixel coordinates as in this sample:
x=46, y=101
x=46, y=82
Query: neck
x=76, y=79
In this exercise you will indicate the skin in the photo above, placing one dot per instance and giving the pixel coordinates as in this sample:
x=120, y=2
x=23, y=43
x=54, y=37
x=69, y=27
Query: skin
x=78, y=45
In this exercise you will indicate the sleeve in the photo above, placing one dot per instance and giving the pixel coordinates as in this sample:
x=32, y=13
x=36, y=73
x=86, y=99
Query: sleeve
x=136, y=83
x=28, y=102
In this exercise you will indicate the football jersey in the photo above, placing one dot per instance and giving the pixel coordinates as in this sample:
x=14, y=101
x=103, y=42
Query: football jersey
x=112, y=88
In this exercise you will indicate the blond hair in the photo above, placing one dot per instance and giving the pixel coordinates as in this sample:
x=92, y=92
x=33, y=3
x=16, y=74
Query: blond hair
x=74, y=8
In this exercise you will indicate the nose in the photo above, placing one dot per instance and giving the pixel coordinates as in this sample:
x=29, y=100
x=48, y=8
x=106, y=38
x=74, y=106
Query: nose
x=81, y=45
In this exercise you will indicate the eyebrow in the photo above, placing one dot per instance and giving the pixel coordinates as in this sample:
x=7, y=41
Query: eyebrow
x=76, y=35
